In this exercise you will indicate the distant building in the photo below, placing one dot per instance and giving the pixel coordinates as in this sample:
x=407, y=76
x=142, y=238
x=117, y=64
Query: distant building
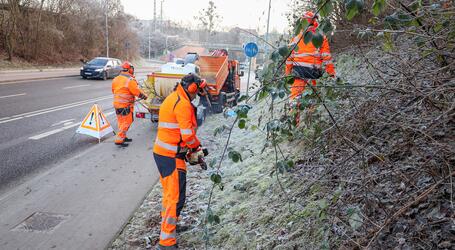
x=182, y=51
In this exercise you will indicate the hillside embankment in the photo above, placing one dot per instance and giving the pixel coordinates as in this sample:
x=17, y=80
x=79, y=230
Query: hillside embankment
x=370, y=165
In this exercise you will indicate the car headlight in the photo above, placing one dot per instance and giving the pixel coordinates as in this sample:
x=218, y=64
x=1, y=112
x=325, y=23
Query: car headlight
x=98, y=70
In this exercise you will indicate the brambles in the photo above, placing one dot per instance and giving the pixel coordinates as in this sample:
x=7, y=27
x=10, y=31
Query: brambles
x=371, y=129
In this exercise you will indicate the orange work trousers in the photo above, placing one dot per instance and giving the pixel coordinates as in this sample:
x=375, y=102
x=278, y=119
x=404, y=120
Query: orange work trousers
x=173, y=179
x=298, y=87
x=124, y=121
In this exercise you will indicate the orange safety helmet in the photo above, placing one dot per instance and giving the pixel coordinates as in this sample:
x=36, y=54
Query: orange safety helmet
x=193, y=83
x=311, y=18
x=128, y=67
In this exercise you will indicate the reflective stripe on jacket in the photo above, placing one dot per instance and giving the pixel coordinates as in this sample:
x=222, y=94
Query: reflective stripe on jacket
x=124, y=88
x=308, y=55
x=177, y=124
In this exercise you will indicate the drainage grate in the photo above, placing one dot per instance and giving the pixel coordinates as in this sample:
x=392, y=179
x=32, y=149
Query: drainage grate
x=41, y=222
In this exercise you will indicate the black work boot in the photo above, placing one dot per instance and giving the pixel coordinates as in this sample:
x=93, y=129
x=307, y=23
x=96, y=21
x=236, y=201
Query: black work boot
x=127, y=139
x=182, y=228
x=160, y=247
x=122, y=144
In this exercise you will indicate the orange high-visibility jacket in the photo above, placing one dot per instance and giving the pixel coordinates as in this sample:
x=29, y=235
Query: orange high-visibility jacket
x=308, y=55
x=177, y=124
x=124, y=88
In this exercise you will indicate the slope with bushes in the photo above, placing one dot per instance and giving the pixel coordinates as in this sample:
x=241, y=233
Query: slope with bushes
x=370, y=165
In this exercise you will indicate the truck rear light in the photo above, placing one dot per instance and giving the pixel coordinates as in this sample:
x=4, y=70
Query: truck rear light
x=140, y=115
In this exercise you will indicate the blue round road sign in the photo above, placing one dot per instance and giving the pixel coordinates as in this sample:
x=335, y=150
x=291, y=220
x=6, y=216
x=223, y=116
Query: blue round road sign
x=251, y=49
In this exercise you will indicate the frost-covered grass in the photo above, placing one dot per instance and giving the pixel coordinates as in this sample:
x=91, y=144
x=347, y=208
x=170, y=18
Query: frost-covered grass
x=253, y=209
x=328, y=199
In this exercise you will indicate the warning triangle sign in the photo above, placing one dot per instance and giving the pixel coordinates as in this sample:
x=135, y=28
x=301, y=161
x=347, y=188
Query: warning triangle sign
x=95, y=123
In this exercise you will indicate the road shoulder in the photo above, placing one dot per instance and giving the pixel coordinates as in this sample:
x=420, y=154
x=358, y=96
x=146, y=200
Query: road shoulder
x=83, y=202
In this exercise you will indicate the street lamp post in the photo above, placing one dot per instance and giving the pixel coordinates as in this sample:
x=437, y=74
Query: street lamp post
x=267, y=34
x=161, y=17
x=149, y=40
x=107, y=30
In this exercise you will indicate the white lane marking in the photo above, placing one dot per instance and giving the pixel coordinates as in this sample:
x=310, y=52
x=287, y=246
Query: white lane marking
x=52, y=109
x=10, y=120
x=66, y=126
x=6, y=96
x=65, y=105
x=62, y=122
x=55, y=131
x=77, y=86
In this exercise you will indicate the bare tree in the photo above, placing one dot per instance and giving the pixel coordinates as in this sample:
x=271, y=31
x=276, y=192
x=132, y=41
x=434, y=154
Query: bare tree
x=56, y=31
x=209, y=18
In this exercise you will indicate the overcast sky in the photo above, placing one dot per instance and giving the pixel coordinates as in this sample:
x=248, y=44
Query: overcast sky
x=243, y=13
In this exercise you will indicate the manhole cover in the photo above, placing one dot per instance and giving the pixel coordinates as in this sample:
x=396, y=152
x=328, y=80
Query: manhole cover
x=41, y=222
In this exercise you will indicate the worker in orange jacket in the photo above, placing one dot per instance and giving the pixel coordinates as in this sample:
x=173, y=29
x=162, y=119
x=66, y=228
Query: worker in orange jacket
x=176, y=141
x=306, y=62
x=125, y=88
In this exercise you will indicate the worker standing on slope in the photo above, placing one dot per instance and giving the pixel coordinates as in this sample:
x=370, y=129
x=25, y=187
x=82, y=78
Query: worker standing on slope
x=176, y=141
x=125, y=88
x=306, y=62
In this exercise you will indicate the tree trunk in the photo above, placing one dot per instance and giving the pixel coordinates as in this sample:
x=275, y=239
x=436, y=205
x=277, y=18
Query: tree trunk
x=12, y=27
x=38, y=25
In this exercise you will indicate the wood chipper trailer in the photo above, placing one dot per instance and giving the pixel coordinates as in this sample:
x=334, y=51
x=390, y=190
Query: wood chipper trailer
x=223, y=87
x=223, y=81
x=157, y=86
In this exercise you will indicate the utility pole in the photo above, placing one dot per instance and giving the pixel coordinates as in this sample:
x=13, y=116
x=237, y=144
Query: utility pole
x=154, y=15
x=107, y=30
x=267, y=34
x=161, y=16
x=149, y=28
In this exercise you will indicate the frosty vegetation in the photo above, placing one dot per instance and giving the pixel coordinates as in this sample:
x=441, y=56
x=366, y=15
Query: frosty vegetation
x=369, y=166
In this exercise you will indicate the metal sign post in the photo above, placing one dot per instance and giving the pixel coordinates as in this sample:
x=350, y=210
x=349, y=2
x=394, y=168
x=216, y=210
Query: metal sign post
x=251, y=50
x=248, y=81
x=127, y=46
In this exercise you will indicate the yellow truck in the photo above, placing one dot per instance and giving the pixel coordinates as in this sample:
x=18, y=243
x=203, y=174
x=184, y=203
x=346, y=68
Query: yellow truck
x=223, y=86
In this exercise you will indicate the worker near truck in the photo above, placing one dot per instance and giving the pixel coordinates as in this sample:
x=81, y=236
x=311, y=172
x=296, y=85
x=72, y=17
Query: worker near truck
x=125, y=88
x=176, y=141
x=307, y=61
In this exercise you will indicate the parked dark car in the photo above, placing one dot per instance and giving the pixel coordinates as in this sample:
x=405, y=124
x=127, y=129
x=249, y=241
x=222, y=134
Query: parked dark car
x=101, y=68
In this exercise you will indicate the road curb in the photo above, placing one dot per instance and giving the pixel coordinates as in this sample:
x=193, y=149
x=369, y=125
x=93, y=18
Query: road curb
x=5, y=82
x=117, y=234
x=38, y=70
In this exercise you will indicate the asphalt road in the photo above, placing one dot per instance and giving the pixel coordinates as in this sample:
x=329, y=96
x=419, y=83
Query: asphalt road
x=38, y=120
